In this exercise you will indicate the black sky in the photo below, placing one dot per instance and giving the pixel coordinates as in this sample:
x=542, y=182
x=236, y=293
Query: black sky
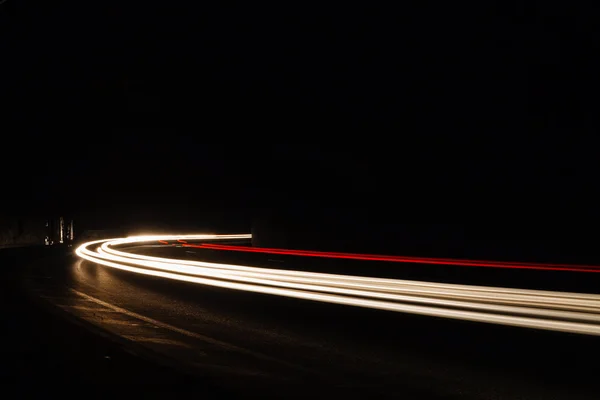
x=445, y=113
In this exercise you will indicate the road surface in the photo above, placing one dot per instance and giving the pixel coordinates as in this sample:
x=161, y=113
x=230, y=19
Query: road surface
x=293, y=347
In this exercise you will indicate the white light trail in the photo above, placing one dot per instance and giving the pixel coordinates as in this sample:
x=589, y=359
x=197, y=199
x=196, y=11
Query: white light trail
x=559, y=311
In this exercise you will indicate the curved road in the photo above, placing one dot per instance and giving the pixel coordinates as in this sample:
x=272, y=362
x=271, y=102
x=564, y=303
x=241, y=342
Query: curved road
x=292, y=347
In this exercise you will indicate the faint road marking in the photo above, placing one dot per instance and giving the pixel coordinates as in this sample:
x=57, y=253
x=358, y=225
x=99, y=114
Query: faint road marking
x=183, y=331
x=158, y=341
x=84, y=308
x=118, y=322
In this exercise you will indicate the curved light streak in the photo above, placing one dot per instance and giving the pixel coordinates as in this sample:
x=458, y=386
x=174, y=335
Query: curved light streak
x=559, y=311
x=401, y=259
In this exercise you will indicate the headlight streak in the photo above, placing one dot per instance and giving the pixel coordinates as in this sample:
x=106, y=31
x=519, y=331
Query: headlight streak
x=560, y=311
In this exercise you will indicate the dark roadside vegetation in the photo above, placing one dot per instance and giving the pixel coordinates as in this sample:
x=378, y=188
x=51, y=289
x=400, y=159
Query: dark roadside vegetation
x=44, y=354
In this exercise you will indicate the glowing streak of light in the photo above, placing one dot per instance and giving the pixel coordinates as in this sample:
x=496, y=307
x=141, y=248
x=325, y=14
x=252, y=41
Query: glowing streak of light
x=569, y=312
x=400, y=259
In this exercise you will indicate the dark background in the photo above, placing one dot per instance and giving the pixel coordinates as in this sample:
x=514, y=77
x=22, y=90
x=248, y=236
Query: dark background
x=433, y=123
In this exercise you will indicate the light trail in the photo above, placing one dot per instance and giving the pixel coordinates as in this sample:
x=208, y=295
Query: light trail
x=559, y=311
x=400, y=259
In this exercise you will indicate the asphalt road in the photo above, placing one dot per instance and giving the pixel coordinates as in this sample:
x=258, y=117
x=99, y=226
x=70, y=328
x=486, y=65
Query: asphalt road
x=266, y=345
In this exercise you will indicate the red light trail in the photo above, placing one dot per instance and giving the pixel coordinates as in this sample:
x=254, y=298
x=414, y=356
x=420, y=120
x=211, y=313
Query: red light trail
x=400, y=259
